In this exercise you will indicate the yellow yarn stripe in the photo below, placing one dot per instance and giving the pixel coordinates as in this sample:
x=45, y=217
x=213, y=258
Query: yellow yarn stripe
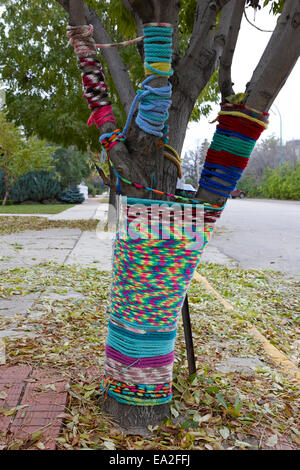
x=245, y=116
x=162, y=66
x=173, y=151
x=173, y=159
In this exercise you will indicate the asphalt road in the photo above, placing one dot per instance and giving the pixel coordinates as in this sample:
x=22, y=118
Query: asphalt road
x=261, y=234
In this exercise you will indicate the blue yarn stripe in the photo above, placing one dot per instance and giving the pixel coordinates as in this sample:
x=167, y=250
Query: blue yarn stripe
x=236, y=134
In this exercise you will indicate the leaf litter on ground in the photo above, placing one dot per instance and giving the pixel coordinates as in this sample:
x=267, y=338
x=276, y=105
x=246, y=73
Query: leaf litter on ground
x=211, y=409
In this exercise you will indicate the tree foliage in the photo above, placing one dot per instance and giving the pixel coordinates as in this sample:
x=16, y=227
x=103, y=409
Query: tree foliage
x=19, y=155
x=277, y=183
x=266, y=178
x=71, y=165
x=268, y=154
x=282, y=183
x=72, y=196
x=43, y=86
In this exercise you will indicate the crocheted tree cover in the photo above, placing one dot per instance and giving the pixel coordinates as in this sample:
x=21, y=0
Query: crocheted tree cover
x=154, y=262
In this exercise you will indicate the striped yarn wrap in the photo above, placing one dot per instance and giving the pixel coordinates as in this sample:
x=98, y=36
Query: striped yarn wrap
x=150, y=280
x=233, y=142
x=158, y=50
x=146, y=375
x=93, y=78
x=111, y=138
x=153, y=102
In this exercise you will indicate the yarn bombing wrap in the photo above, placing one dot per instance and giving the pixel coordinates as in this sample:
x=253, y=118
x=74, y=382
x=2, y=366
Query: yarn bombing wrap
x=150, y=280
x=93, y=78
x=158, y=49
x=154, y=102
x=233, y=142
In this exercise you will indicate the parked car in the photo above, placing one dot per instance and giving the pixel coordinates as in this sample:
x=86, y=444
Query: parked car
x=237, y=193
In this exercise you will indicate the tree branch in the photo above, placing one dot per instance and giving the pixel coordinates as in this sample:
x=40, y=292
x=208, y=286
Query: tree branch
x=139, y=26
x=278, y=59
x=202, y=55
x=64, y=4
x=205, y=20
x=155, y=10
x=274, y=67
x=164, y=172
x=115, y=64
x=234, y=13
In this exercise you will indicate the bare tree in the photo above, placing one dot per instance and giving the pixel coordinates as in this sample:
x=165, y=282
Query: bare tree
x=193, y=162
x=139, y=158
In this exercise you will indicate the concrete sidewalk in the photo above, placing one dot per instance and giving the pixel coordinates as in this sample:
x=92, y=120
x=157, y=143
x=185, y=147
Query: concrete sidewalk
x=91, y=208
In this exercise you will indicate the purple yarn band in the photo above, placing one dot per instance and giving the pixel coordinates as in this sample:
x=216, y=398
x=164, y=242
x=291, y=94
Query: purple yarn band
x=157, y=361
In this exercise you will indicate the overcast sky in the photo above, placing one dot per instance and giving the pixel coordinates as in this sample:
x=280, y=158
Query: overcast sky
x=251, y=44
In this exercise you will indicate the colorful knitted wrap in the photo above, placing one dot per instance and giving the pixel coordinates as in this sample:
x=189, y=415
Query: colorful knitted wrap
x=150, y=280
x=228, y=155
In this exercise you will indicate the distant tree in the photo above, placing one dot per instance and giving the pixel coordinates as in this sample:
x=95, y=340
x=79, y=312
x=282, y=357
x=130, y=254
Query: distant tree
x=72, y=196
x=193, y=162
x=265, y=155
x=37, y=186
x=71, y=165
x=18, y=155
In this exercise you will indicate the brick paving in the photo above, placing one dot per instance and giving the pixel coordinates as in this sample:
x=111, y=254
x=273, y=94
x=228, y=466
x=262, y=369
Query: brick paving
x=42, y=394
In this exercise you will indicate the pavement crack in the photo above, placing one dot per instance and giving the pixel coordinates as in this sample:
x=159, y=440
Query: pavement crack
x=20, y=399
x=75, y=244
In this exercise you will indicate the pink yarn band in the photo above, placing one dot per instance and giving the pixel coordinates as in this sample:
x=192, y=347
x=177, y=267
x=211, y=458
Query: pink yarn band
x=102, y=115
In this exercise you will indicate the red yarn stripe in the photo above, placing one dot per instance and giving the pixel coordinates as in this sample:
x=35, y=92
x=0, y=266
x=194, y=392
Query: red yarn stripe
x=226, y=159
x=242, y=125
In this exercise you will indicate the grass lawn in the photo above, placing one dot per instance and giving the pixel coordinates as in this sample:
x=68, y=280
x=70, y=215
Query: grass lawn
x=35, y=208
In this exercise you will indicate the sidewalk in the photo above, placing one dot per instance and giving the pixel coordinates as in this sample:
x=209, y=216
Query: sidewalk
x=91, y=208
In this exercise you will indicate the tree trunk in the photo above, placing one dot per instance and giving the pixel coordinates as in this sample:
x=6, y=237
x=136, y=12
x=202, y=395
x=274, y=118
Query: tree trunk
x=7, y=189
x=5, y=198
x=112, y=206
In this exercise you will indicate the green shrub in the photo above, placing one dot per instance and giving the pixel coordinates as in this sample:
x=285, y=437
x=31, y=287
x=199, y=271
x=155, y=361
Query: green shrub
x=72, y=196
x=279, y=183
x=282, y=183
x=92, y=189
x=250, y=185
x=35, y=186
x=8, y=202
